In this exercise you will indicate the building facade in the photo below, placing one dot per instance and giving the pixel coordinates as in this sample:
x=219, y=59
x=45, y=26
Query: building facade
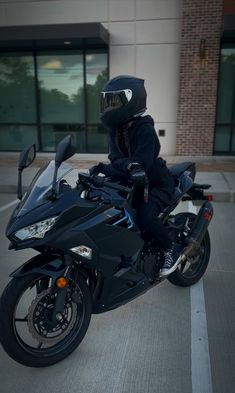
x=55, y=56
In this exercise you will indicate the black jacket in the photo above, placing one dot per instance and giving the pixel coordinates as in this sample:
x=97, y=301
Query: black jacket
x=142, y=146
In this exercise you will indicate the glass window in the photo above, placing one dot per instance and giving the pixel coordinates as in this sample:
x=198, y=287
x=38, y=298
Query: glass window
x=233, y=141
x=17, y=89
x=97, y=139
x=55, y=104
x=96, y=76
x=226, y=86
x=61, y=87
x=222, y=138
x=52, y=134
x=17, y=137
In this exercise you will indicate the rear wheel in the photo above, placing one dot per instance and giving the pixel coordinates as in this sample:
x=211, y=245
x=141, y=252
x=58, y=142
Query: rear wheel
x=191, y=270
x=28, y=331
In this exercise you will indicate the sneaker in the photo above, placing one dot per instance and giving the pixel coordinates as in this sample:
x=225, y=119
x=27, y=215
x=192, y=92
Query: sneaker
x=170, y=261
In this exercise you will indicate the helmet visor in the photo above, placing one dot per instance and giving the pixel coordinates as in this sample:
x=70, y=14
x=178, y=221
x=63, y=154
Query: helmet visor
x=114, y=99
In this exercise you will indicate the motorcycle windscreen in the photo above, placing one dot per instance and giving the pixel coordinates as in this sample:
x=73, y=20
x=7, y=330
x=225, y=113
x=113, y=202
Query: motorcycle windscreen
x=41, y=186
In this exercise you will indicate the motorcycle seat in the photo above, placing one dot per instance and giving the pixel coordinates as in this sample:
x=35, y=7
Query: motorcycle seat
x=178, y=169
x=183, y=175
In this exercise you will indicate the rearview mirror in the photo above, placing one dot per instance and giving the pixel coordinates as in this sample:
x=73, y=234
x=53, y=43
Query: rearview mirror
x=27, y=156
x=65, y=149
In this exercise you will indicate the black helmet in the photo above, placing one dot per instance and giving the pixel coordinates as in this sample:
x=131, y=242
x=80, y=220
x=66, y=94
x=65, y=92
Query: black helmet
x=122, y=98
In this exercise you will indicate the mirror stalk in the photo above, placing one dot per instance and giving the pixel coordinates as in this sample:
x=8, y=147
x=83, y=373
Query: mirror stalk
x=54, y=193
x=19, y=185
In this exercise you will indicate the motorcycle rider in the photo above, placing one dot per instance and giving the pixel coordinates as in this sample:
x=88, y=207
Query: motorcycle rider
x=134, y=149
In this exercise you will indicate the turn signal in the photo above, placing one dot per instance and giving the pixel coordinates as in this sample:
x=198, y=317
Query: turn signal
x=61, y=282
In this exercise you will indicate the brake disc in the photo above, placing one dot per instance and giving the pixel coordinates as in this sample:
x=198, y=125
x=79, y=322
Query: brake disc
x=39, y=325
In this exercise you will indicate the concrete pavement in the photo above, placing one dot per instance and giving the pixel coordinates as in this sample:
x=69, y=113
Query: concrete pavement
x=148, y=345
x=217, y=171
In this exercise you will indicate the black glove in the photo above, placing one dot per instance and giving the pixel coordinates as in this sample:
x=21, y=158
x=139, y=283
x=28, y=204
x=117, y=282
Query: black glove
x=96, y=169
x=137, y=174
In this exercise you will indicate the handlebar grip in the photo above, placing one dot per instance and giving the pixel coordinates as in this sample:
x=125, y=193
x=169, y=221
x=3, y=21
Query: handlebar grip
x=117, y=186
x=99, y=181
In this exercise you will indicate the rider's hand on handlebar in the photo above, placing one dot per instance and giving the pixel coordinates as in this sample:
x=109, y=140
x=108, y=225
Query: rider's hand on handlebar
x=137, y=174
x=96, y=169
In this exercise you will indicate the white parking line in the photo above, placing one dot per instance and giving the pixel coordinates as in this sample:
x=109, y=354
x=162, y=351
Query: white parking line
x=5, y=207
x=200, y=356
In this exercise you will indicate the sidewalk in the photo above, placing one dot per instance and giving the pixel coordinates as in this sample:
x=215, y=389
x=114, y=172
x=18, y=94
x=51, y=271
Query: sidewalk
x=215, y=170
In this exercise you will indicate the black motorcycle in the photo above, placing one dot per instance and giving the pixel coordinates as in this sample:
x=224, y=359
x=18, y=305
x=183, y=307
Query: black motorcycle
x=91, y=258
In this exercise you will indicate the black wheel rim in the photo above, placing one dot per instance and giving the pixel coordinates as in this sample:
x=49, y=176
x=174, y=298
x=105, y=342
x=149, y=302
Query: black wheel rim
x=20, y=326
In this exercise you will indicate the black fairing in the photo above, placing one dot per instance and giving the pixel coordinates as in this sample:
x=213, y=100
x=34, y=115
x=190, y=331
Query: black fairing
x=46, y=264
x=80, y=222
x=105, y=225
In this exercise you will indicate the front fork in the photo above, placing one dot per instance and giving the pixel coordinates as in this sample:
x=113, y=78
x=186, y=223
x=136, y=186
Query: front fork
x=59, y=290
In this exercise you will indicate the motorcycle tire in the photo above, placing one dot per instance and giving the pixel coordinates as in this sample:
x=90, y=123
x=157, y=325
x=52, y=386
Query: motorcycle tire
x=10, y=325
x=194, y=273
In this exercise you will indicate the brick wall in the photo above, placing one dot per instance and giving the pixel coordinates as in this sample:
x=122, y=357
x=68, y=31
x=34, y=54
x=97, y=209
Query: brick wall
x=200, y=44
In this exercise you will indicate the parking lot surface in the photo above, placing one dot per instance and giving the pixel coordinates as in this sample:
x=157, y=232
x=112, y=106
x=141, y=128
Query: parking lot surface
x=169, y=340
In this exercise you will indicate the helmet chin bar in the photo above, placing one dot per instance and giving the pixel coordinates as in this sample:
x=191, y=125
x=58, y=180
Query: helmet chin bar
x=140, y=113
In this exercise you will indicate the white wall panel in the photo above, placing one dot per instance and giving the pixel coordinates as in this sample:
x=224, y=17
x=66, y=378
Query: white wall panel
x=42, y=12
x=158, y=65
x=121, y=10
x=168, y=141
x=17, y=1
x=122, y=60
x=158, y=9
x=122, y=33
x=144, y=41
x=157, y=31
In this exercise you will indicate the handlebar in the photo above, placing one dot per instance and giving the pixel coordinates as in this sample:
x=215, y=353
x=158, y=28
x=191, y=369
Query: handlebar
x=100, y=181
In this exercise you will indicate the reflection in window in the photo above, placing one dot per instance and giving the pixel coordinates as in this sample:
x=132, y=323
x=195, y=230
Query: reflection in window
x=52, y=135
x=222, y=138
x=54, y=104
x=225, y=119
x=233, y=141
x=97, y=139
x=17, y=137
x=226, y=86
x=61, y=88
x=17, y=89
x=96, y=76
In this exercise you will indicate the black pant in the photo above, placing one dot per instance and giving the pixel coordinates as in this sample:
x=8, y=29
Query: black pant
x=147, y=219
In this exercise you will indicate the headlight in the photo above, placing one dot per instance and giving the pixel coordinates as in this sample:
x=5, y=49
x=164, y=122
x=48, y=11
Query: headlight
x=37, y=230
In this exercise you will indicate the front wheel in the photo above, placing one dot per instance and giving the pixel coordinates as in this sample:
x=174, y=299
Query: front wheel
x=29, y=332
x=191, y=270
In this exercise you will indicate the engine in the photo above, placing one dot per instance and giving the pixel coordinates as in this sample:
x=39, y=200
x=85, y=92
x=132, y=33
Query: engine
x=149, y=262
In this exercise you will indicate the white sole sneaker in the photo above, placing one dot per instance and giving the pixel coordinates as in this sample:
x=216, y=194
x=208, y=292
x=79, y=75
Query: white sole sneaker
x=167, y=272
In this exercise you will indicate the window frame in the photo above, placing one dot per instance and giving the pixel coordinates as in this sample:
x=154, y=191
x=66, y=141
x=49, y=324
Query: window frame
x=230, y=125
x=38, y=123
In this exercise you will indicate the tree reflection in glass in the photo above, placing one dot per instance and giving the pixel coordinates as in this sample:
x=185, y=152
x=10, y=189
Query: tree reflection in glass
x=17, y=89
x=61, y=87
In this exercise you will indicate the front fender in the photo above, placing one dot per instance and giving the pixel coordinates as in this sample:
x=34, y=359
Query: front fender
x=49, y=265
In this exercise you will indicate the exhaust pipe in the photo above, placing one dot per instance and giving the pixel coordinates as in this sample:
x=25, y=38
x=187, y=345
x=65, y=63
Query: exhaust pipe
x=198, y=229
x=196, y=233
